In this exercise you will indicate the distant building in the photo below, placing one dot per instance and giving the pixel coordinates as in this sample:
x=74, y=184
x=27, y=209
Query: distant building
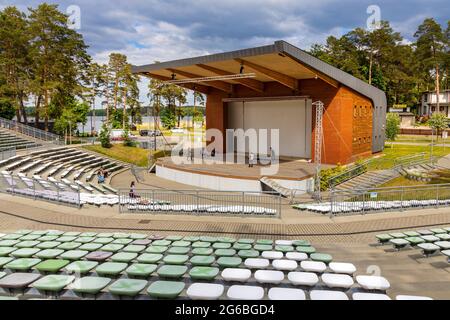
x=429, y=103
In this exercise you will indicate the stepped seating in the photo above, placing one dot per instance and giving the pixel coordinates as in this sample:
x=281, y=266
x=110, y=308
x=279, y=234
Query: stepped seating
x=431, y=242
x=8, y=140
x=116, y=265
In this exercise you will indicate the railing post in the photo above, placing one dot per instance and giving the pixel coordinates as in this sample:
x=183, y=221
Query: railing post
x=332, y=203
x=401, y=198
x=364, y=202
x=437, y=196
x=197, y=201
x=243, y=202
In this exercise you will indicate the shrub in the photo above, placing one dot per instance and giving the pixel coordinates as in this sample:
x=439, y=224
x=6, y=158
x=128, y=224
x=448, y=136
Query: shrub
x=392, y=126
x=168, y=118
x=105, y=136
x=127, y=141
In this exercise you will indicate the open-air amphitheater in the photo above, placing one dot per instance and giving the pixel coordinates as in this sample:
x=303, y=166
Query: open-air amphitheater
x=64, y=236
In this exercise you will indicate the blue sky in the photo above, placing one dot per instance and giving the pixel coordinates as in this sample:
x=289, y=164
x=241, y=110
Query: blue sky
x=149, y=30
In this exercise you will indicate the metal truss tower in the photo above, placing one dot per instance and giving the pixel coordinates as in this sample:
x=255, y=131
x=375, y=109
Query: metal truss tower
x=318, y=146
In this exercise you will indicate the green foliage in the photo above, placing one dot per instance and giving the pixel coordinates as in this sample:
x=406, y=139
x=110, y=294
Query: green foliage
x=168, y=118
x=392, y=126
x=438, y=122
x=127, y=141
x=105, y=136
x=6, y=109
x=325, y=176
x=116, y=119
x=341, y=174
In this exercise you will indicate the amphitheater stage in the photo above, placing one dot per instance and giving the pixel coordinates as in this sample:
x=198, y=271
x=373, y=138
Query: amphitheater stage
x=291, y=174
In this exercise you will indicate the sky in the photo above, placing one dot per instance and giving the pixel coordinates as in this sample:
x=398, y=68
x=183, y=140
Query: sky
x=162, y=30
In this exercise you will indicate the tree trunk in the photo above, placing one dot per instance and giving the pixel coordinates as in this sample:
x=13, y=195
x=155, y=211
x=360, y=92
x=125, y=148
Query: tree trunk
x=46, y=111
x=124, y=117
x=370, y=67
x=23, y=109
x=437, y=90
x=36, y=111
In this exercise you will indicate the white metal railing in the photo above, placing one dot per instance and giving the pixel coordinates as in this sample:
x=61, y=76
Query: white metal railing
x=31, y=131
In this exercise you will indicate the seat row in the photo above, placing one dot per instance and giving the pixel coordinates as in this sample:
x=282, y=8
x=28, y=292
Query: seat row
x=190, y=208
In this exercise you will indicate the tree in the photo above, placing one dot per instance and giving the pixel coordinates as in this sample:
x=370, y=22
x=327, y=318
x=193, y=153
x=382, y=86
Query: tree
x=6, y=109
x=95, y=82
x=430, y=51
x=14, y=59
x=438, y=122
x=168, y=118
x=105, y=136
x=200, y=99
x=392, y=126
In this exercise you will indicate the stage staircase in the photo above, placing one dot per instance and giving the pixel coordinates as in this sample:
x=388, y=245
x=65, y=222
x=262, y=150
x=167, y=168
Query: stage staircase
x=369, y=180
x=271, y=185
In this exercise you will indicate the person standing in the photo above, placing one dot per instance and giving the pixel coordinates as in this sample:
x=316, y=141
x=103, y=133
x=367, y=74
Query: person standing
x=251, y=159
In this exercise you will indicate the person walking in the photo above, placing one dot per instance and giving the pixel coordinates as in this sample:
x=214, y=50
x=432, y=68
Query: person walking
x=132, y=193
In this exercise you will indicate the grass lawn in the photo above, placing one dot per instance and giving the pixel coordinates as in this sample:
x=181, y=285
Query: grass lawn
x=420, y=139
x=136, y=156
x=390, y=153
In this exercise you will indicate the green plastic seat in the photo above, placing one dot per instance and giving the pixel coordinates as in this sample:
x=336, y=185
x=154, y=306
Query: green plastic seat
x=178, y=250
x=262, y=247
x=124, y=257
x=398, y=235
x=156, y=249
x=383, y=238
x=201, y=244
x=123, y=241
x=165, y=289
x=49, y=253
x=112, y=247
x=301, y=243
x=202, y=251
x=111, y=268
x=54, y=233
x=54, y=282
x=171, y=271
x=103, y=240
x=27, y=244
x=307, y=250
x=162, y=243
x=88, y=234
x=412, y=234
x=22, y=264
x=242, y=246
x=120, y=235
x=415, y=240
x=264, y=241
x=89, y=285
x=248, y=254
x=2, y=274
x=30, y=237
x=225, y=252
x=84, y=239
x=90, y=246
x=141, y=270
x=25, y=252
x=71, y=233
x=81, y=266
x=208, y=239
x=175, y=259
x=321, y=257
x=137, y=236
x=229, y=262
x=173, y=238
x=221, y=245
x=23, y=231
x=202, y=260
x=5, y=260
x=51, y=265
x=74, y=254
x=12, y=236
x=134, y=248
x=47, y=238
x=8, y=243
x=105, y=235
x=246, y=241
x=284, y=248
x=4, y=251
x=39, y=232
x=191, y=238
x=48, y=245
x=438, y=231
x=181, y=243
x=69, y=245
x=66, y=239
x=127, y=287
x=203, y=273
x=149, y=258
x=443, y=236
x=226, y=240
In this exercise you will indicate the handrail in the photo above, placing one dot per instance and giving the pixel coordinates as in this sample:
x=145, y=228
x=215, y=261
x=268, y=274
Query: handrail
x=31, y=131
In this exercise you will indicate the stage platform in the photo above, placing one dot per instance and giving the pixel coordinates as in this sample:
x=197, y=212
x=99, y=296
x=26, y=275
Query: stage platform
x=292, y=174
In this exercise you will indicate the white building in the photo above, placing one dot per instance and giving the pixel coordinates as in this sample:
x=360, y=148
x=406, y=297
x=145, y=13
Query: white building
x=429, y=103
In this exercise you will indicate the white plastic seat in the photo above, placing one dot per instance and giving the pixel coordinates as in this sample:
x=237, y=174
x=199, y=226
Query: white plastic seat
x=342, y=267
x=405, y=297
x=245, y=293
x=313, y=266
x=283, y=242
x=255, y=263
x=269, y=276
x=205, y=291
x=286, y=294
x=272, y=255
x=327, y=295
x=333, y=280
x=370, y=296
x=235, y=274
x=303, y=278
x=285, y=265
x=297, y=256
x=373, y=283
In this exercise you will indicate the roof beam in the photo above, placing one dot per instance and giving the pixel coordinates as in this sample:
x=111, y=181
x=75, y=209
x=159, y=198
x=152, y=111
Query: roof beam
x=221, y=85
x=249, y=83
x=285, y=80
x=191, y=86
